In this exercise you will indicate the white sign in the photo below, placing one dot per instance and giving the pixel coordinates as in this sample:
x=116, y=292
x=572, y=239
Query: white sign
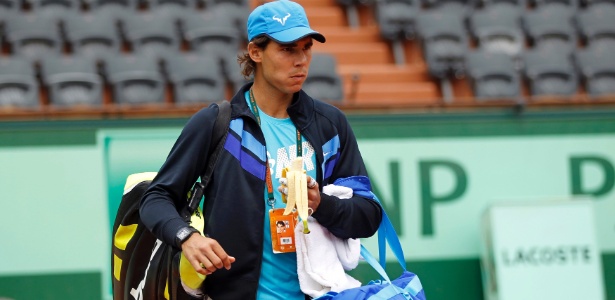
x=542, y=251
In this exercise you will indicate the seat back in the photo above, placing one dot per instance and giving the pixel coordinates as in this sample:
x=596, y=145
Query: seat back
x=136, y=79
x=551, y=25
x=493, y=75
x=597, y=66
x=197, y=78
x=18, y=84
x=551, y=71
x=323, y=81
x=34, y=36
x=72, y=80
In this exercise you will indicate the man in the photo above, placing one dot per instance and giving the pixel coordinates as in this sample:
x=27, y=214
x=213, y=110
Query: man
x=272, y=122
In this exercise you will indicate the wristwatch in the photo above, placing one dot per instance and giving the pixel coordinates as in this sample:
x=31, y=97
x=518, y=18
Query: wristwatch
x=183, y=234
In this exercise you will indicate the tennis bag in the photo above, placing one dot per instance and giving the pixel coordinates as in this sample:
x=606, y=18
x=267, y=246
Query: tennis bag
x=143, y=267
x=406, y=287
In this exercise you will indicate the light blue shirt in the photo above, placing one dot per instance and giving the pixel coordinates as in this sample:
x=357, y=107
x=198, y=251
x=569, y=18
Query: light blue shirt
x=278, y=276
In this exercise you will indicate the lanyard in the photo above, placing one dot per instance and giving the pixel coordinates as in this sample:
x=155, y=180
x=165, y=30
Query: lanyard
x=254, y=108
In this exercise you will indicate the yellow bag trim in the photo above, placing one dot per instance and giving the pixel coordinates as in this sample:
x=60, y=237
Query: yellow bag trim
x=189, y=276
x=117, y=267
x=123, y=235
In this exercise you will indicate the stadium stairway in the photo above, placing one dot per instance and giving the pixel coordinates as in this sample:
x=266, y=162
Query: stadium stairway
x=365, y=61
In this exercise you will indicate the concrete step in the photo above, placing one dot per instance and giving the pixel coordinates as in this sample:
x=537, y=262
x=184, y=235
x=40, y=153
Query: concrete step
x=384, y=73
x=326, y=16
x=337, y=34
x=317, y=3
x=392, y=93
x=357, y=53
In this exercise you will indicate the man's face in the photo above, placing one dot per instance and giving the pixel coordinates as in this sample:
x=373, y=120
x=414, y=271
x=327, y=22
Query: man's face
x=285, y=66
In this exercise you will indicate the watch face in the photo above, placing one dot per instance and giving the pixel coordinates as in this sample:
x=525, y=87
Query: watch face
x=183, y=233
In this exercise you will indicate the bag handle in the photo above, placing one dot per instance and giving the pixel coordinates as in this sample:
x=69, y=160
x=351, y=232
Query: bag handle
x=219, y=134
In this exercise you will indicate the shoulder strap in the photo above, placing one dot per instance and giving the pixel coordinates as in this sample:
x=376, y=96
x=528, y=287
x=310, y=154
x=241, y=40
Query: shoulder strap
x=221, y=126
x=218, y=138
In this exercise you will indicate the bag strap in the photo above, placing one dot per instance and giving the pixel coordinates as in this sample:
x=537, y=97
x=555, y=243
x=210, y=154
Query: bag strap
x=387, y=235
x=218, y=139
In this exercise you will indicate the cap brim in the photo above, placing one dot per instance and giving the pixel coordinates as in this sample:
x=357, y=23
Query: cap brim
x=292, y=35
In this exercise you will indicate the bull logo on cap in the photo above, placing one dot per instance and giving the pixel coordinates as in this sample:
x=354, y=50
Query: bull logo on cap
x=283, y=20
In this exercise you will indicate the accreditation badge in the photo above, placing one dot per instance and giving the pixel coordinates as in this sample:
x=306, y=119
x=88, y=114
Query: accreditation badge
x=282, y=230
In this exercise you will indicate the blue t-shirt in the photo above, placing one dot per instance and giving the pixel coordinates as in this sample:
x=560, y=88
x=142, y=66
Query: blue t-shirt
x=278, y=277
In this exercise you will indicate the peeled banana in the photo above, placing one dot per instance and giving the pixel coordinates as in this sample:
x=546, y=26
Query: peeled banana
x=297, y=197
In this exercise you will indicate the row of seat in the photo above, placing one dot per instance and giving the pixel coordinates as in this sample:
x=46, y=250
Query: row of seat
x=196, y=78
x=53, y=6
x=548, y=71
x=95, y=34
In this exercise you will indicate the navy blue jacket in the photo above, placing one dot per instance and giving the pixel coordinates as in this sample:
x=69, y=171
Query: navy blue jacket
x=234, y=204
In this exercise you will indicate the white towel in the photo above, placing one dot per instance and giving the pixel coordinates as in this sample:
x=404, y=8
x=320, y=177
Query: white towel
x=323, y=257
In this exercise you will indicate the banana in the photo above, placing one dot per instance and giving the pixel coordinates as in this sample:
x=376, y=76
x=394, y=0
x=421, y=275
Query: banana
x=297, y=191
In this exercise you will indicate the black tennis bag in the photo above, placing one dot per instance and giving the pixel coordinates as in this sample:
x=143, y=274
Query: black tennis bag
x=143, y=267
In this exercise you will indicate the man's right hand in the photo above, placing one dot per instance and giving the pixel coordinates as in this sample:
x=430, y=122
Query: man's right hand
x=205, y=254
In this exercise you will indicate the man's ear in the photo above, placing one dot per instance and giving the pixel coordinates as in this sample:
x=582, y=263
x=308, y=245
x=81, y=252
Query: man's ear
x=255, y=52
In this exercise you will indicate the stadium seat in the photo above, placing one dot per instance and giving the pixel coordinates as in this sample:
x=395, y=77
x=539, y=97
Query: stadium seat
x=72, y=80
x=460, y=6
x=551, y=25
x=396, y=18
x=153, y=35
x=597, y=23
x=232, y=73
x=396, y=21
x=493, y=75
x=444, y=41
x=56, y=9
x=551, y=72
x=237, y=11
x=351, y=9
x=572, y=4
x=119, y=11
x=196, y=79
x=93, y=36
x=323, y=81
x=497, y=27
x=34, y=36
x=18, y=84
x=520, y=4
x=597, y=66
x=213, y=34
x=135, y=79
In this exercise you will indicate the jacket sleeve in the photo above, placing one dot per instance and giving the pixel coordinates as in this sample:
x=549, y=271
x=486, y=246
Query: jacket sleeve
x=357, y=217
x=168, y=191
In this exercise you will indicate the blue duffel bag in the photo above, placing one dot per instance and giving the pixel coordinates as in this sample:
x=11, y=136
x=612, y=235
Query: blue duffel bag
x=407, y=286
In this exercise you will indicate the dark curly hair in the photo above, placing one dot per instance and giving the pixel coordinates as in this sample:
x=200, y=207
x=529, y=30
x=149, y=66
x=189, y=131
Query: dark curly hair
x=245, y=61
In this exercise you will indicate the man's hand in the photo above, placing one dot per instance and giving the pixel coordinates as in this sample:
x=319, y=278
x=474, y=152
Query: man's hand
x=313, y=192
x=205, y=254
